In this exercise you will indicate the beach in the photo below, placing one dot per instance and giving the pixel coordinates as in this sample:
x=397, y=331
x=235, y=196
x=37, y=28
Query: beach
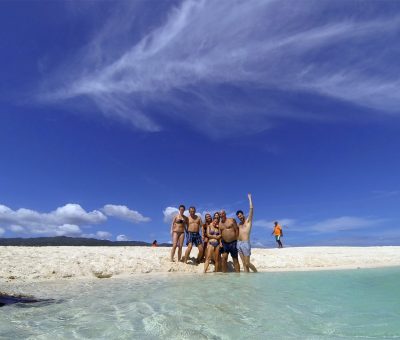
x=35, y=264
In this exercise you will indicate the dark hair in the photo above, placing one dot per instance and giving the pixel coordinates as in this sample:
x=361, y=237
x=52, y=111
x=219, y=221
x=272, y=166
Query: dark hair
x=182, y=206
x=239, y=212
x=276, y=222
x=217, y=212
x=192, y=207
x=155, y=241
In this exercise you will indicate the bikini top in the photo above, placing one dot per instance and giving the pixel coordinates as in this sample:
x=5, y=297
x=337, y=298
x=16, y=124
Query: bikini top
x=180, y=221
x=212, y=232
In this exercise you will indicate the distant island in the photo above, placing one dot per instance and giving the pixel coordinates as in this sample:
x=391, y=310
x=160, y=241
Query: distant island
x=71, y=241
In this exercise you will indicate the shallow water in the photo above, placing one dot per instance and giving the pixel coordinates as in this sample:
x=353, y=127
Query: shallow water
x=312, y=305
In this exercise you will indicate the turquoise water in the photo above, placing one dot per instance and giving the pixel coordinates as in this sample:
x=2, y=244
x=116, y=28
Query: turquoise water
x=308, y=305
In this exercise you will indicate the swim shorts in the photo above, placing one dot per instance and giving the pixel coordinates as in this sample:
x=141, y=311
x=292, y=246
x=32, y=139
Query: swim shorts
x=244, y=247
x=277, y=237
x=230, y=247
x=193, y=238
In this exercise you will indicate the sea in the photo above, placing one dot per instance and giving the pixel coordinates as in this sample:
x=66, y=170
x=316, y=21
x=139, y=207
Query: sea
x=340, y=304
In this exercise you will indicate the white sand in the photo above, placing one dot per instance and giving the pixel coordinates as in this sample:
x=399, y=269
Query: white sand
x=33, y=264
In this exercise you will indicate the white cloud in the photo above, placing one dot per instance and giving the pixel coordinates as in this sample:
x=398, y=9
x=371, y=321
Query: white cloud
x=16, y=229
x=169, y=213
x=65, y=220
x=122, y=238
x=2, y=231
x=264, y=45
x=124, y=213
x=104, y=235
x=68, y=230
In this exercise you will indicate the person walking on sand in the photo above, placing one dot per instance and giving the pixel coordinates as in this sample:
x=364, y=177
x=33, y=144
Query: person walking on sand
x=193, y=235
x=277, y=232
x=178, y=227
x=243, y=243
x=214, y=237
x=229, y=231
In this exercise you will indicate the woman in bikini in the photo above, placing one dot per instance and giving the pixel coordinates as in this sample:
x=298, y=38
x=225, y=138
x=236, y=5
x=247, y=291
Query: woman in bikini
x=208, y=220
x=178, y=227
x=214, y=237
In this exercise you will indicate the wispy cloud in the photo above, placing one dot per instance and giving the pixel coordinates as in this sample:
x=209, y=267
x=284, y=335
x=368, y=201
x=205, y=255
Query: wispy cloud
x=330, y=225
x=385, y=193
x=237, y=61
x=264, y=223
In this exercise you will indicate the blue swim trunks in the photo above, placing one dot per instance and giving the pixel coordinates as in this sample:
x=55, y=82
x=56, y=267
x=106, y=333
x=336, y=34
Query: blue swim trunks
x=193, y=238
x=244, y=247
x=230, y=247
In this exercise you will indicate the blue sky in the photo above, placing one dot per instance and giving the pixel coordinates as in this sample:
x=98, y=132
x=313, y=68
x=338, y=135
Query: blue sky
x=114, y=113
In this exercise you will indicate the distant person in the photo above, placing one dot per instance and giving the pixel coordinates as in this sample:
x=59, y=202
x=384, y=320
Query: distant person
x=208, y=220
x=277, y=232
x=178, y=227
x=243, y=243
x=154, y=244
x=214, y=237
x=229, y=231
x=193, y=235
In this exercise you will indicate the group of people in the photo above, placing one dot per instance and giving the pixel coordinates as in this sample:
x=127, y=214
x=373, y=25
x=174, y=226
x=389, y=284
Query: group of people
x=215, y=239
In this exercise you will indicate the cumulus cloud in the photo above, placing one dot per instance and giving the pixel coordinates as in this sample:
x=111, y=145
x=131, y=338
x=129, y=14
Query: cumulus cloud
x=231, y=59
x=67, y=214
x=65, y=220
x=103, y=235
x=124, y=213
x=169, y=213
x=122, y=238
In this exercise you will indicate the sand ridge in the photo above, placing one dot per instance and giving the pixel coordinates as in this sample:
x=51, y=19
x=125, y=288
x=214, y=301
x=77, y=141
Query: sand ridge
x=33, y=264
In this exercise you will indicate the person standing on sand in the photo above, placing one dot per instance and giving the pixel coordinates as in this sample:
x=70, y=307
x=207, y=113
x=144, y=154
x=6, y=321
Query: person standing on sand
x=230, y=232
x=208, y=220
x=243, y=243
x=214, y=237
x=193, y=235
x=178, y=227
x=278, y=234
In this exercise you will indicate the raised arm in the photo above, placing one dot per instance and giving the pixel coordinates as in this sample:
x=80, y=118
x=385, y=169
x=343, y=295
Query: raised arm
x=250, y=217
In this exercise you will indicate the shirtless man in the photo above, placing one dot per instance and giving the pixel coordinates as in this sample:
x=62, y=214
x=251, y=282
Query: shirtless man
x=243, y=243
x=229, y=231
x=178, y=227
x=193, y=235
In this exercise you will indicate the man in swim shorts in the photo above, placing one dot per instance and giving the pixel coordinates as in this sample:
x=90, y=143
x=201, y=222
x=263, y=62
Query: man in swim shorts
x=193, y=235
x=229, y=231
x=243, y=243
x=277, y=232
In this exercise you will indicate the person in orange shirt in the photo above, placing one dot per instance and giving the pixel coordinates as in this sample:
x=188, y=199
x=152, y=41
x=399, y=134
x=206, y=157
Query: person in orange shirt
x=278, y=234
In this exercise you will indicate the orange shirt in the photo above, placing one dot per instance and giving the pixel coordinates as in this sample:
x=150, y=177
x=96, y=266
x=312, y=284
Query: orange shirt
x=277, y=230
